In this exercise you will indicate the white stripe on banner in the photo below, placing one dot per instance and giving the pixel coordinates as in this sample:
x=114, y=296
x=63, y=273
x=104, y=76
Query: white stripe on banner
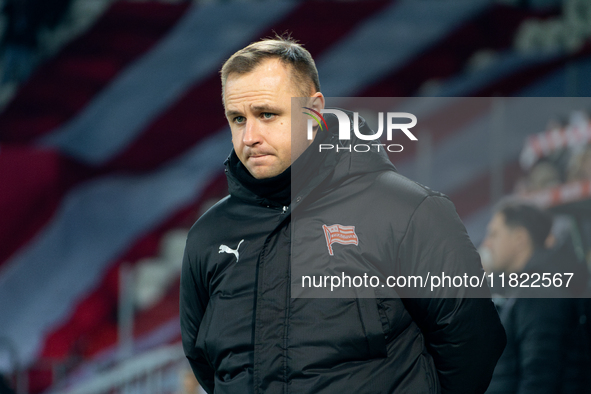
x=96, y=222
x=386, y=42
x=195, y=48
x=508, y=63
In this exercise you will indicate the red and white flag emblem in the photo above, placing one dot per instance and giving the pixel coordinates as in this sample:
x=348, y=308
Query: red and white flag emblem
x=337, y=233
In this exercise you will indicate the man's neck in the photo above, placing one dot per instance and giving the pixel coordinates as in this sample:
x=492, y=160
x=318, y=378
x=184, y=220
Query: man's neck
x=275, y=189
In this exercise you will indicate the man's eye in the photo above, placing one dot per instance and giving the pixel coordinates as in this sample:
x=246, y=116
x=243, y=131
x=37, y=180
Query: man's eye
x=239, y=119
x=268, y=115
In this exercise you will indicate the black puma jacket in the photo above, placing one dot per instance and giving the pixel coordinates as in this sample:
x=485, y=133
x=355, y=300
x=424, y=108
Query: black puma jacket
x=244, y=330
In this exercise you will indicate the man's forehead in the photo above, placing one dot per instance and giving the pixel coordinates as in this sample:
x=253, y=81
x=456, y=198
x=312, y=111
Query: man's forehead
x=254, y=100
x=264, y=72
x=268, y=80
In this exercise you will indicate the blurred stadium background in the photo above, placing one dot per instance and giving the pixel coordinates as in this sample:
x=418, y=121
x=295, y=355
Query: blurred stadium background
x=112, y=139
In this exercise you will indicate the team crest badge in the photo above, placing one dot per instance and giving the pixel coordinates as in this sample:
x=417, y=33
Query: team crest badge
x=337, y=233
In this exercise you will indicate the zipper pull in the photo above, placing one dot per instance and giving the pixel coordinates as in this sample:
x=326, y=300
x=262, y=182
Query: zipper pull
x=284, y=209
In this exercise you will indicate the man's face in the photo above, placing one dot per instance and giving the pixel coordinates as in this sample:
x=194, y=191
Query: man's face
x=502, y=242
x=258, y=108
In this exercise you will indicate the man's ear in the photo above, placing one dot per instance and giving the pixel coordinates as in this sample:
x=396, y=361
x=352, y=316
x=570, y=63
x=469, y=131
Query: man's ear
x=522, y=236
x=317, y=101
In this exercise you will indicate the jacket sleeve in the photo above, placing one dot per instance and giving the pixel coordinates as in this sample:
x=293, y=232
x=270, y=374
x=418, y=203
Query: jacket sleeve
x=461, y=326
x=541, y=327
x=193, y=301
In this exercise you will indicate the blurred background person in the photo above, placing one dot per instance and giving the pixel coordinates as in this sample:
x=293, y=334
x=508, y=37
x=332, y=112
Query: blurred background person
x=546, y=350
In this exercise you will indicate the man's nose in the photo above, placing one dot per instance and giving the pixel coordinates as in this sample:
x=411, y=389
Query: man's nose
x=252, y=133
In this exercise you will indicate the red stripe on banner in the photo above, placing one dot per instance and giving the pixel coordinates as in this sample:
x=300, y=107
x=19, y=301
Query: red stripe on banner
x=30, y=190
x=64, y=85
x=164, y=310
x=326, y=30
x=28, y=176
x=512, y=83
x=34, y=182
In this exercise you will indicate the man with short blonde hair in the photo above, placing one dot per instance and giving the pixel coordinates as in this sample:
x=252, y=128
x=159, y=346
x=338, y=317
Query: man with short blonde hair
x=243, y=329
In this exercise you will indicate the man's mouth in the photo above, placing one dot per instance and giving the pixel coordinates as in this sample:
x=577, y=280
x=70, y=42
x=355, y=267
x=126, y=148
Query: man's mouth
x=258, y=155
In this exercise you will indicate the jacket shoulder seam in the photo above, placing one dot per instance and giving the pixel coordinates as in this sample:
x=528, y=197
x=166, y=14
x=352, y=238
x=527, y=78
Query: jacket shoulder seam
x=430, y=194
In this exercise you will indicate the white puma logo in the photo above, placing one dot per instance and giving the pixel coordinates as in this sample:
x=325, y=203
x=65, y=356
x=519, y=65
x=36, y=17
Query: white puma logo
x=225, y=249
